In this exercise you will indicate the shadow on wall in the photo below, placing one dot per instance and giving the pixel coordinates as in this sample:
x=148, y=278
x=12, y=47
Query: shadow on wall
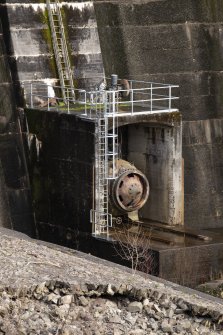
x=4, y=22
x=15, y=196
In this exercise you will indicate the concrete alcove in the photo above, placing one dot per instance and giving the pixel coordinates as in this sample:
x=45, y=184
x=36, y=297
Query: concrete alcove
x=155, y=149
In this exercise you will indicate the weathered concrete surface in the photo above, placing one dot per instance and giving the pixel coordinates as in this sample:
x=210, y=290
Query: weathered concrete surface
x=180, y=43
x=191, y=264
x=15, y=195
x=29, y=44
x=203, y=152
x=157, y=151
x=61, y=173
x=47, y=289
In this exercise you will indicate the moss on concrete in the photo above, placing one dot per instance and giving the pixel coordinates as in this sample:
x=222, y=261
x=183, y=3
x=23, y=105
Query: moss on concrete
x=64, y=18
x=47, y=36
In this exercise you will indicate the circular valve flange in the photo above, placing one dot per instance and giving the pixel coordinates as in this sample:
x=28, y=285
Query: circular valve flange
x=130, y=190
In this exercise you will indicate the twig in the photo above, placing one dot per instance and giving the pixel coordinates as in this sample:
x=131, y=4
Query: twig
x=133, y=246
x=46, y=263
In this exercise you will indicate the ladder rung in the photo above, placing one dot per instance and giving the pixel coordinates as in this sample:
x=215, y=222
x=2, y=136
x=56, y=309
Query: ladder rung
x=112, y=154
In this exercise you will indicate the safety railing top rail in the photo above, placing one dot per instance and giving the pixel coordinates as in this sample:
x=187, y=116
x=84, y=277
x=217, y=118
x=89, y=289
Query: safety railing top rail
x=141, y=82
x=139, y=97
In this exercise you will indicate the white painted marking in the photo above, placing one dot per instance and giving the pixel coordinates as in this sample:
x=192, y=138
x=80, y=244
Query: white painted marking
x=42, y=6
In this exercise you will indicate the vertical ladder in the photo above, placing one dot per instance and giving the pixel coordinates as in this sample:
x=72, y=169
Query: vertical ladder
x=60, y=50
x=106, y=156
x=100, y=217
x=111, y=135
x=102, y=181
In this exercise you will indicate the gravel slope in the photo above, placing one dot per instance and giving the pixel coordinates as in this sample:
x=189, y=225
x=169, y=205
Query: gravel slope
x=44, y=290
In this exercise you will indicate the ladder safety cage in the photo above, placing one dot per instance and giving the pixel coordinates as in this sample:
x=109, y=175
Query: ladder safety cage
x=101, y=223
x=106, y=156
x=111, y=135
x=101, y=219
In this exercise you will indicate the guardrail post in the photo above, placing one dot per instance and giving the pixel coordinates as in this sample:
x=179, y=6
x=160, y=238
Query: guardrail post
x=113, y=102
x=48, y=99
x=85, y=103
x=68, y=101
x=31, y=94
x=131, y=97
x=105, y=102
x=169, y=98
x=151, y=97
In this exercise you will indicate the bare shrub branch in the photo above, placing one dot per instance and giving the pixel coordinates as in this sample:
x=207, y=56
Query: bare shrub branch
x=133, y=246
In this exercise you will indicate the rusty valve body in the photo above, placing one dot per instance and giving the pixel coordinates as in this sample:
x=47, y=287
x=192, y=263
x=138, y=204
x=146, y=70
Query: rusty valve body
x=130, y=190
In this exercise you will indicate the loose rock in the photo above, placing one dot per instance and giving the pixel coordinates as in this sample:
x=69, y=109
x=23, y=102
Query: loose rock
x=83, y=301
x=135, y=307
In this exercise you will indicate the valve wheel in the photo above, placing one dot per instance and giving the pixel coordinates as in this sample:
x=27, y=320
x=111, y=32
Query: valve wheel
x=130, y=191
x=118, y=220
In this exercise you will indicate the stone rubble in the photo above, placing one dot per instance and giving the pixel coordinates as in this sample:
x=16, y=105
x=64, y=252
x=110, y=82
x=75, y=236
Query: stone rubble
x=49, y=292
x=70, y=314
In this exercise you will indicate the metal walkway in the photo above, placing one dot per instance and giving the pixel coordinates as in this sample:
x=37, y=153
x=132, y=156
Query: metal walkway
x=60, y=50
